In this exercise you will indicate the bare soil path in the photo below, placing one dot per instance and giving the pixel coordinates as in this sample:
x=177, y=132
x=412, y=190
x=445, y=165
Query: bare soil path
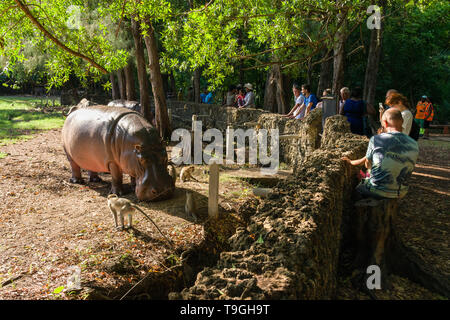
x=49, y=226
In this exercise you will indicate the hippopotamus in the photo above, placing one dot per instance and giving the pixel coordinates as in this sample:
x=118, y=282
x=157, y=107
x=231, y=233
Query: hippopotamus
x=117, y=140
x=132, y=105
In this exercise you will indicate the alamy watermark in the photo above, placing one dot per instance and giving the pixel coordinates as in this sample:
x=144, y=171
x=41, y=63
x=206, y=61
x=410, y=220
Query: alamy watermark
x=74, y=21
x=258, y=148
x=374, y=21
x=374, y=280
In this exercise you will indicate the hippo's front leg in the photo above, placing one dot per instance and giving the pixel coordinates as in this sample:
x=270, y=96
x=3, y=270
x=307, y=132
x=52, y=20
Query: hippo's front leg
x=116, y=175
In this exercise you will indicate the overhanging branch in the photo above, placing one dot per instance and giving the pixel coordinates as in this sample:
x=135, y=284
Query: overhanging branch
x=30, y=16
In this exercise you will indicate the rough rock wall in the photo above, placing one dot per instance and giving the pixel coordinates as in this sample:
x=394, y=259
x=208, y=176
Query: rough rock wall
x=215, y=116
x=212, y=116
x=290, y=246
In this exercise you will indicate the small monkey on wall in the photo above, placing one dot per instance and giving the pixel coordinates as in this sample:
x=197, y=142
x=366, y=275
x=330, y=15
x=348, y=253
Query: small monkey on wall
x=186, y=174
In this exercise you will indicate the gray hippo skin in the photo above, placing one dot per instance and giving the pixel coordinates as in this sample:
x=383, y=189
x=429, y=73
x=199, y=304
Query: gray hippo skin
x=132, y=105
x=117, y=140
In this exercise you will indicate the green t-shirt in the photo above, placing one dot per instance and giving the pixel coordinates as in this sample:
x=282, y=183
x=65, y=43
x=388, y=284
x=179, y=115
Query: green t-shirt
x=393, y=156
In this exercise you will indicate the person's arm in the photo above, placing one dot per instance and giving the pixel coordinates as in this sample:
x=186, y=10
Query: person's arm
x=407, y=122
x=357, y=162
x=248, y=99
x=428, y=112
x=292, y=110
x=368, y=164
x=308, y=108
x=341, y=108
x=301, y=108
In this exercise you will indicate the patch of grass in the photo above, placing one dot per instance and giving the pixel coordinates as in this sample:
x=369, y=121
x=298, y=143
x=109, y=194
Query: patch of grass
x=19, y=119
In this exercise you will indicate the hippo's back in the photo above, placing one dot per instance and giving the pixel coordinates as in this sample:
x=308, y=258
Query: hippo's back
x=87, y=134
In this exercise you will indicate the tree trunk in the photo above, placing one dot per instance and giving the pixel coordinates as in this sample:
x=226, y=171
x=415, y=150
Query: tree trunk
x=115, y=95
x=197, y=85
x=309, y=72
x=275, y=94
x=142, y=73
x=161, y=116
x=338, y=62
x=282, y=93
x=373, y=61
x=173, y=86
x=270, y=92
x=122, y=84
x=129, y=79
x=326, y=74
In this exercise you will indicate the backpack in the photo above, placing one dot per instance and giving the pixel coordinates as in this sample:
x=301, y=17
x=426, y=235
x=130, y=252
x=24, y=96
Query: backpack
x=415, y=130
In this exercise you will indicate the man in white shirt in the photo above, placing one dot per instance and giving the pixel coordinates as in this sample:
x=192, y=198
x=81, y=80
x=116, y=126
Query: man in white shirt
x=299, y=99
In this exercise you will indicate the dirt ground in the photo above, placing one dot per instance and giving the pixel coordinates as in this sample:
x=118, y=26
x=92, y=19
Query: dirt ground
x=48, y=227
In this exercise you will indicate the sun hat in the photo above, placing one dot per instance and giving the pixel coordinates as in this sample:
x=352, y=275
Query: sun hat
x=248, y=86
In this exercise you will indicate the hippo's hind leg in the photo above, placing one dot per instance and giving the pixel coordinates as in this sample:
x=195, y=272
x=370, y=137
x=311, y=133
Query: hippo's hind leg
x=76, y=171
x=93, y=177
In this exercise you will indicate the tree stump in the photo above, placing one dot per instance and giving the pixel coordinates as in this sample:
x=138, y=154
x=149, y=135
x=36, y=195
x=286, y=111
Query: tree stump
x=377, y=243
x=373, y=232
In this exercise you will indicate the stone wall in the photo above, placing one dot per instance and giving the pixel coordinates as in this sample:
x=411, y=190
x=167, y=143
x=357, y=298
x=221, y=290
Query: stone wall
x=290, y=247
x=212, y=116
x=215, y=116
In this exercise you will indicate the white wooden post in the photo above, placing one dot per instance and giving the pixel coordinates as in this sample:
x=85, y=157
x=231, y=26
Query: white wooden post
x=194, y=118
x=213, y=199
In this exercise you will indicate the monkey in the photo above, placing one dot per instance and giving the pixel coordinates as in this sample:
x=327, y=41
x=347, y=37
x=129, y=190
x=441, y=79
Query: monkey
x=190, y=207
x=172, y=172
x=124, y=206
x=186, y=174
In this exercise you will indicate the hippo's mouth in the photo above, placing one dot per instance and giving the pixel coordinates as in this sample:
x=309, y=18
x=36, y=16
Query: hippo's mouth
x=163, y=195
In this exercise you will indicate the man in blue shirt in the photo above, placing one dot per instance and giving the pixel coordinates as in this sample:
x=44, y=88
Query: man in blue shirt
x=203, y=95
x=391, y=157
x=209, y=98
x=309, y=103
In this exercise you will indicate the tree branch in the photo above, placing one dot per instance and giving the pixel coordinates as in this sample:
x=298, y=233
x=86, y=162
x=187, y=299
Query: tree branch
x=30, y=16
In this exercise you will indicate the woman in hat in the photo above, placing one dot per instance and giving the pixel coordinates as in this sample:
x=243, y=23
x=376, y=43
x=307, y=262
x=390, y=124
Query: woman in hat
x=249, y=100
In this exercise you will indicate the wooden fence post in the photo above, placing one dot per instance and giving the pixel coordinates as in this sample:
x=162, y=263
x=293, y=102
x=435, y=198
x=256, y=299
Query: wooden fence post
x=213, y=199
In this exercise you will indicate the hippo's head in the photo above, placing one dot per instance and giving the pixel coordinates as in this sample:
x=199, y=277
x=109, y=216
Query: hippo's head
x=153, y=182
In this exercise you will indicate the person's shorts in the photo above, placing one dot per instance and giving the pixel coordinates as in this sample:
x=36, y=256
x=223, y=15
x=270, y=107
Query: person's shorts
x=365, y=192
x=426, y=124
x=420, y=122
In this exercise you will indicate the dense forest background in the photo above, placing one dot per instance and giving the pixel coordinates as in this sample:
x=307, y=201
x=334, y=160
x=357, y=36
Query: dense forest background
x=152, y=49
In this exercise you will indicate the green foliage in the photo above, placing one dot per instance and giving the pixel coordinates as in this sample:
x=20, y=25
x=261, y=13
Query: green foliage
x=229, y=41
x=416, y=59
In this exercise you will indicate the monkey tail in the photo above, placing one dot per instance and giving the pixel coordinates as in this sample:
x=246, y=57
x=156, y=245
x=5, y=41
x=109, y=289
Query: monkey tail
x=151, y=220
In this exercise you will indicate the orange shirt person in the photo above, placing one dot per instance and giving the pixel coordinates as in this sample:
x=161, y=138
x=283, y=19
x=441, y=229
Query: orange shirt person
x=424, y=115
